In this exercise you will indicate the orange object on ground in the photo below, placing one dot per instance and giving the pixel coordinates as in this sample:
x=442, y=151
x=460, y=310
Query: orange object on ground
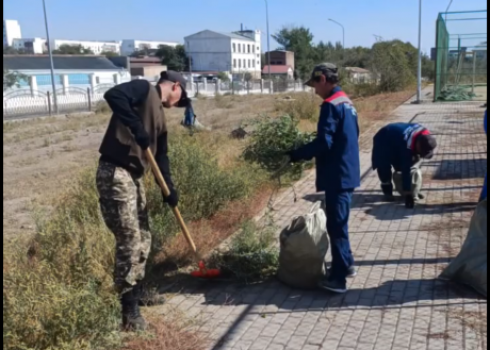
x=203, y=271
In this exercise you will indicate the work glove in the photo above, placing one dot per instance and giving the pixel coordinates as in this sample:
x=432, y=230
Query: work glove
x=409, y=201
x=292, y=157
x=173, y=199
x=142, y=139
x=388, y=192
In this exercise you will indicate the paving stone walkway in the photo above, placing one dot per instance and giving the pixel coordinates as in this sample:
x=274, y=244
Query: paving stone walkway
x=396, y=301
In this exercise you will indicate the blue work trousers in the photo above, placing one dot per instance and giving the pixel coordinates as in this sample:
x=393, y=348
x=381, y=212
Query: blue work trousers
x=338, y=206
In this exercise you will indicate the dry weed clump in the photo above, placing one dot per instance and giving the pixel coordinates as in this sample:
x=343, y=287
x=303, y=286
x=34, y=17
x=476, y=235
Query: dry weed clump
x=303, y=105
x=166, y=335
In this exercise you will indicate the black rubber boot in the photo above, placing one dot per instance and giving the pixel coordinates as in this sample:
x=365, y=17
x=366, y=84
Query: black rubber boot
x=133, y=321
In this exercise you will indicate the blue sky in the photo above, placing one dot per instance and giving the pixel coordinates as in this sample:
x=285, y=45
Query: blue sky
x=173, y=20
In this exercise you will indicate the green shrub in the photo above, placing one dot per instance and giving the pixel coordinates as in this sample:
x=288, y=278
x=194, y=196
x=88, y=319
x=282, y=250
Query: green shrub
x=58, y=292
x=251, y=258
x=204, y=187
x=271, y=139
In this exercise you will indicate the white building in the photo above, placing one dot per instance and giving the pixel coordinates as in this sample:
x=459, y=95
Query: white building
x=238, y=53
x=130, y=46
x=35, y=46
x=11, y=31
x=97, y=47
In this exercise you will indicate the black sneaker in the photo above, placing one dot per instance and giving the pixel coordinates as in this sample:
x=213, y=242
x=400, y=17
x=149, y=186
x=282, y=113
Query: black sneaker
x=333, y=286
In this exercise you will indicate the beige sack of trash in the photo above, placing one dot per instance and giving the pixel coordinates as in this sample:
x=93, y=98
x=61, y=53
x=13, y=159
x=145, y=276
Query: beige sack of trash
x=470, y=267
x=304, y=246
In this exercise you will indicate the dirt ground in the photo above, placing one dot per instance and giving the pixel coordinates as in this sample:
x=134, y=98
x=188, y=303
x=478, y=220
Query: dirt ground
x=43, y=156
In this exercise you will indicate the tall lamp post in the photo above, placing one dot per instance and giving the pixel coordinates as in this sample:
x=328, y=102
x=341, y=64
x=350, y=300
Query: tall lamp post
x=268, y=41
x=343, y=33
x=419, y=73
x=55, y=97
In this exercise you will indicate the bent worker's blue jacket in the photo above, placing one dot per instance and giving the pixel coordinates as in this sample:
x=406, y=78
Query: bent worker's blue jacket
x=394, y=148
x=336, y=147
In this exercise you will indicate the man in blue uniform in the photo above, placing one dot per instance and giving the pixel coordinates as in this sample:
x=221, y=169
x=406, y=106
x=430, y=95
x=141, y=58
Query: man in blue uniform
x=401, y=146
x=336, y=149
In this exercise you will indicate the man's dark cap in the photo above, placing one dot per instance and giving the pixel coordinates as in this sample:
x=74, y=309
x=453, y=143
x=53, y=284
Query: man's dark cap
x=329, y=70
x=175, y=77
x=428, y=144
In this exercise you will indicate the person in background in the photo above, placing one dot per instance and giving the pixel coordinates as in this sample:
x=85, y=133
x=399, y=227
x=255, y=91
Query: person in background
x=402, y=147
x=190, y=120
x=338, y=169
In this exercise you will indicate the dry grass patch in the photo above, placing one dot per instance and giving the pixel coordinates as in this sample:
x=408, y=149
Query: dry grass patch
x=167, y=335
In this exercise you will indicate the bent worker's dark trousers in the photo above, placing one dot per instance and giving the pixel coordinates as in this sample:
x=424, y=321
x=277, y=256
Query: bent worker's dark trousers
x=338, y=205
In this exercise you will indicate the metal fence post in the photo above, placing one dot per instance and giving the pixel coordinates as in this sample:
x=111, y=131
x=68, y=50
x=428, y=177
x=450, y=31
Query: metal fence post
x=49, y=103
x=89, y=96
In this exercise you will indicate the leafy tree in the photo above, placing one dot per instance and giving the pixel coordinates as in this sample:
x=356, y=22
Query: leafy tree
x=9, y=50
x=12, y=79
x=72, y=50
x=393, y=64
x=300, y=41
x=428, y=68
x=224, y=77
x=174, y=58
x=109, y=54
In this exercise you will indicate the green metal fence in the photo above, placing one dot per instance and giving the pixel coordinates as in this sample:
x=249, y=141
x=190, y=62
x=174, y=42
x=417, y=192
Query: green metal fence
x=461, y=56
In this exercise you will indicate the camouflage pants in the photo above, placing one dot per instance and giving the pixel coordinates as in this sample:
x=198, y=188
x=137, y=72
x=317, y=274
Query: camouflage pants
x=123, y=205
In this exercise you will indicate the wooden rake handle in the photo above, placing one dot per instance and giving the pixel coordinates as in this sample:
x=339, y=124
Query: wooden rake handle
x=166, y=192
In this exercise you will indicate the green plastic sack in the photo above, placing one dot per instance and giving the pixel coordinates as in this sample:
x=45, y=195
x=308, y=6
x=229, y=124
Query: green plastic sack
x=470, y=267
x=304, y=246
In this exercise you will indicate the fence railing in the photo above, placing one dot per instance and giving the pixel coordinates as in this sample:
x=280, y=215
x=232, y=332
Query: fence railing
x=25, y=103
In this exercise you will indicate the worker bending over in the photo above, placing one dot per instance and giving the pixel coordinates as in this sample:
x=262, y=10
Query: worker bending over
x=402, y=147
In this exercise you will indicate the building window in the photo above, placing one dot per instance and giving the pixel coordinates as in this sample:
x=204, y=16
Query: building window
x=258, y=63
x=79, y=79
x=253, y=63
x=239, y=63
x=234, y=47
x=253, y=49
x=258, y=49
x=244, y=48
x=248, y=48
x=45, y=79
x=234, y=63
x=249, y=64
x=239, y=48
x=244, y=63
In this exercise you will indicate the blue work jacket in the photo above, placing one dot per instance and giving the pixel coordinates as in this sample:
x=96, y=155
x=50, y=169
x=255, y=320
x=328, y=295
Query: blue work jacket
x=336, y=147
x=394, y=148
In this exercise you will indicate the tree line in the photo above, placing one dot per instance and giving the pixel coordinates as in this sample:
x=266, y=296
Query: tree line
x=394, y=63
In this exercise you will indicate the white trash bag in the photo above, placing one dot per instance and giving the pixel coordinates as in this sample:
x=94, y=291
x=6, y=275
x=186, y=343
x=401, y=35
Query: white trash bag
x=304, y=246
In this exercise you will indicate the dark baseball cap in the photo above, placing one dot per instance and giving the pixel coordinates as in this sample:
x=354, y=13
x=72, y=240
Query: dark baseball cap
x=176, y=77
x=329, y=70
x=428, y=144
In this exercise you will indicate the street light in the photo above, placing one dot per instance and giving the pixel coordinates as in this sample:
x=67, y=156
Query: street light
x=268, y=41
x=55, y=97
x=343, y=33
x=419, y=73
